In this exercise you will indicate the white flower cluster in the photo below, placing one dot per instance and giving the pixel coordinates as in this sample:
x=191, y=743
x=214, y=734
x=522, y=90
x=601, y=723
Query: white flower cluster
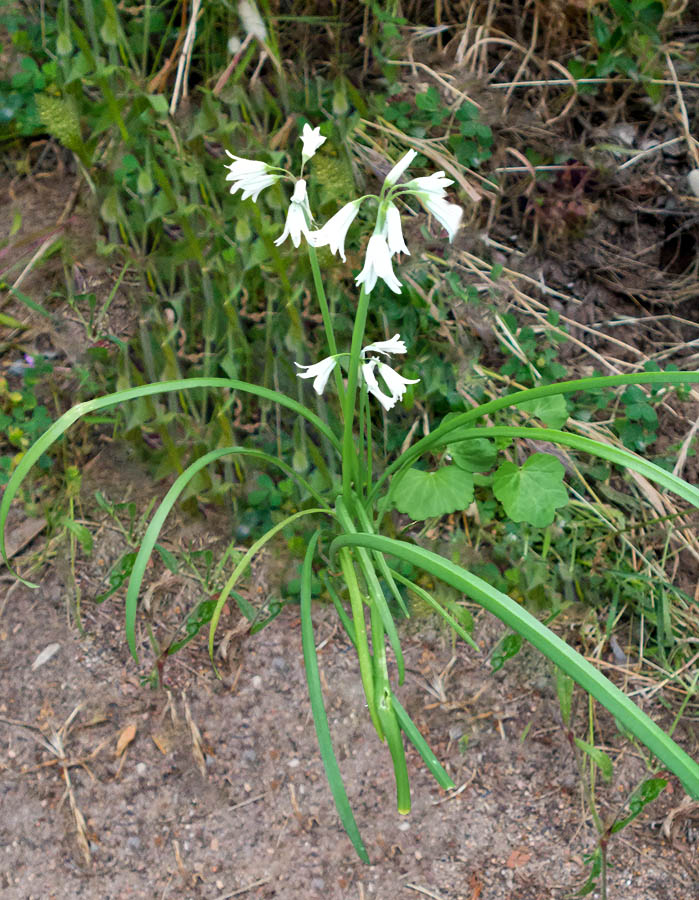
x=320, y=372
x=252, y=176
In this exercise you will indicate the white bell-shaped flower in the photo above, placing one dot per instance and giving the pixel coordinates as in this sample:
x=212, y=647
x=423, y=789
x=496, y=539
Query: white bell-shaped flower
x=320, y=372
x=298, y=216
x=435, y=184
x=447, y=214
x=378, y=265
x=394, y=345
x=334, y=232
x=395, y=383
x=394, y=231
x=249, y=176
x=399, y=168
x=312, y=139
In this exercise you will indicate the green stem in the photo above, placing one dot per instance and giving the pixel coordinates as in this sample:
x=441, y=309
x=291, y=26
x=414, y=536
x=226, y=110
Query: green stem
x=327, y=319
x=349, y=454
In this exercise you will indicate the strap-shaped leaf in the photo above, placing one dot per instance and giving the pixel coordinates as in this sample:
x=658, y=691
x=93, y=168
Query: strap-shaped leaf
x=61, y=425
x=320, y=719
x=511, y=613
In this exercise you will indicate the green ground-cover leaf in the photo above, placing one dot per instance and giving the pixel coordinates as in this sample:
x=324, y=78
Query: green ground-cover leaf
x=426, y=494
x=533, y=492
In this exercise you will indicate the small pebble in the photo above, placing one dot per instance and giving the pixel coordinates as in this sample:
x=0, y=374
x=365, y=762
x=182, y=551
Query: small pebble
x=256, y=682
x=141, y=768
x=293, y=763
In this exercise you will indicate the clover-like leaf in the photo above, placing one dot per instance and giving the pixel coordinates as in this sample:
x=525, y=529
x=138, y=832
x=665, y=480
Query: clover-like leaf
x=552, y=411
x=475, y=455
x=533, y=492
x=425, y=494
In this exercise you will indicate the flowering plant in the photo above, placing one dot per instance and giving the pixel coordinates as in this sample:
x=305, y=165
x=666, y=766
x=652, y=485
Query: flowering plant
x=353, y=513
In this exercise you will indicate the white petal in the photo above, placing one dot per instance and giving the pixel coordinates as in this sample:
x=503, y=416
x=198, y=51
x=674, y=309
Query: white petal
x=299, y=194
x=394, y=345
x=373, y=385
x=319, y=371
x=297, y=217
x=312, y=139
x=334, y=232
x=447, y=214
x=436, y=184
x=395, y=382
x=399, y=168
x=378, y=265
x=394, y=232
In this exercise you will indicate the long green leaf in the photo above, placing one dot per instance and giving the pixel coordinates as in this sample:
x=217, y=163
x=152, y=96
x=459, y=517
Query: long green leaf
x=512, y=614
x=320, y=719
x=423, y=748
x=245, y=562
x=162, y=512
x=440, y=435
x=618, y=455
x=376, y=593
x=61, y=425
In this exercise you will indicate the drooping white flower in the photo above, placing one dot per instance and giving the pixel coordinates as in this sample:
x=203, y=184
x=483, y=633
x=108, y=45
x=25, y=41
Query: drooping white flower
x=249, y=176
x=312, y=139
x=395, y=383
x=447, y=214
x=319, y=371
x=378, y=265
x=394, y=232
x=394, y=345
x=334, y=232
x=435, y=184
x=298, y=216
x=373, y=385
x=399, y=168
x=251, y=20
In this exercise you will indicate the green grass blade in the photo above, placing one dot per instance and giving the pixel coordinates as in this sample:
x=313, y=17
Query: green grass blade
x=618, y=455
x=156, y=523
x=512, y=614
x=61, y=425
x=320, y=719
x=384, y=568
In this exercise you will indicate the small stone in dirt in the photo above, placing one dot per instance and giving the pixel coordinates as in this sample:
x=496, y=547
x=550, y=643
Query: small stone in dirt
x=141, y=768
x=293, y=763
x=45, y=655
x=256, y=682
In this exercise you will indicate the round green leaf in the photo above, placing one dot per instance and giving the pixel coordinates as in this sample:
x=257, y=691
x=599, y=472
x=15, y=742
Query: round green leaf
x=476, y=455
x=423, y=495
x=553, y=411
x=533, y=492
